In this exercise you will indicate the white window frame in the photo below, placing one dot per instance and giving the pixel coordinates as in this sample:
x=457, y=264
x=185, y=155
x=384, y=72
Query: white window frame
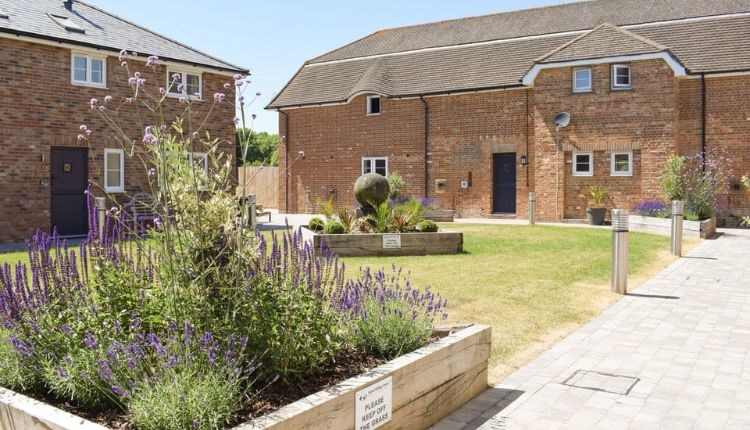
x=613, y=172
x=88, y=82
x=590, y=172
x=615, y=85
x=576, y=88
x=184, y=72
x=372, y=164
x=107, y=187
x=369, y=105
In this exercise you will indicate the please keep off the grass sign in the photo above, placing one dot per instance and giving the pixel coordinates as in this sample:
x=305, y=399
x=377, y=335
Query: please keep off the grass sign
x=374, y=405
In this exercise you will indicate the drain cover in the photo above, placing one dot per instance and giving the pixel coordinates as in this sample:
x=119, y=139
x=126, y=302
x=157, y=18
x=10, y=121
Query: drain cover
x=597, y=381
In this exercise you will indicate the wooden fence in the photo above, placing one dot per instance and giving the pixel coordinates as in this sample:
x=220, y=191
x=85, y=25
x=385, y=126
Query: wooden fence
x=261, y=181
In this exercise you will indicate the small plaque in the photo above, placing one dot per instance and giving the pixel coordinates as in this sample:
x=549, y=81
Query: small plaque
x=67, y=167
x=373, y=406
x=391, y=241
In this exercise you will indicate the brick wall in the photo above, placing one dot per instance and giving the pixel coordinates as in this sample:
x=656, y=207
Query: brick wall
x=41, y=109
x=660, y=116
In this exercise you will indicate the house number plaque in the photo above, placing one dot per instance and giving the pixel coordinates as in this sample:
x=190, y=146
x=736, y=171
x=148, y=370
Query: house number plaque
x=391, y=241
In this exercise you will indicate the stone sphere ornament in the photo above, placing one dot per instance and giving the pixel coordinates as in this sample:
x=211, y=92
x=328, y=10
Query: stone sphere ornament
x=371, y=189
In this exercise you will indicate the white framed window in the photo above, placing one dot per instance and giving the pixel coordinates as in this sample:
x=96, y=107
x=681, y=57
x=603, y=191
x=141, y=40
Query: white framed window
x=373, y=105
x=582, y=80
x=583, y=163
x=621, y=77
x=181, y=83
x=377, y=165
x=89, y=70
x=114, y=170
x=622, y=163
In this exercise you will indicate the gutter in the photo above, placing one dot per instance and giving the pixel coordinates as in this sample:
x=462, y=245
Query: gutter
x=426, y=145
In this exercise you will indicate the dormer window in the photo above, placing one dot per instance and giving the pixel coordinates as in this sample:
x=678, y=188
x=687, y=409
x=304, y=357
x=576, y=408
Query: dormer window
x=88, y=70
x=582, y=80
x=373, y=105
x=621, y=77
x=66, y=23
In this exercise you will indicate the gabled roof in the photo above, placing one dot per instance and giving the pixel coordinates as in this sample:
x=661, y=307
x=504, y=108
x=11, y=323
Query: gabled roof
x=568, y=17
x=98, y=29
x=697, y=44
x=607, y=40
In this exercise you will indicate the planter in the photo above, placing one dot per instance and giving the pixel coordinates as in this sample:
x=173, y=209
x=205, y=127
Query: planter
x=595, y=216
x=424, y=386
x=439, y=215
x=700, y=229
x=427, y=385
x=387, y=244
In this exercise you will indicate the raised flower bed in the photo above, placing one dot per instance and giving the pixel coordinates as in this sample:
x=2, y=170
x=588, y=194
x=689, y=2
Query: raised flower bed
x=386, y=244
x=419, y=388
x=699, y=229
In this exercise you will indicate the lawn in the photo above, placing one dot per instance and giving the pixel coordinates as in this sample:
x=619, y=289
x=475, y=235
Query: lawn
x=532, y=284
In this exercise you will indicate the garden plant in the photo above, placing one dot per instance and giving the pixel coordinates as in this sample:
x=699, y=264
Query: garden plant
x=183, y=330
x=700, y=180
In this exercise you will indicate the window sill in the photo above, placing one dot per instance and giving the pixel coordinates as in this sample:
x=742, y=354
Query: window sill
x=584, y=174
x=182, y=96
x=372, y=114
x=114, y=190
x=583, y=91
x=620, y=88
x=87, y=84
x=622, y=175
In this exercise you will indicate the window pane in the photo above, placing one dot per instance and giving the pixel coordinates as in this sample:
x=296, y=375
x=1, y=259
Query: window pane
x=193, y=84
x=176, y=80
x=375, y=105
x=583, y=79
x=622, y=75
x=113, y=179
x=96, y=71
x=583, y=163
x=622, y=162
x=79, y=69
x=380, y=166
x=367, y=166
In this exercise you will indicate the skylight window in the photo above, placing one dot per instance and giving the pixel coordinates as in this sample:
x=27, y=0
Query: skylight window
x=66, y=23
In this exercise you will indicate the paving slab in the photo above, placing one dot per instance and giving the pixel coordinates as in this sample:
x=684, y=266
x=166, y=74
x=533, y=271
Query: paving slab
x=675, y=354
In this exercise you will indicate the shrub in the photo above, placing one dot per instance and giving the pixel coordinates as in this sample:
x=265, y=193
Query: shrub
x=651, y=207
x=316, y=224
x=389, y=318
x=699, y=180
x=346, y=218
x=397, y=185
x=427, y=226
x=15, y=373
x=334, y=227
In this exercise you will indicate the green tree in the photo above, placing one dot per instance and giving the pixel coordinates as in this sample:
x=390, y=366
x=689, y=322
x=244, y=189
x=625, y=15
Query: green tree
x=262, y=149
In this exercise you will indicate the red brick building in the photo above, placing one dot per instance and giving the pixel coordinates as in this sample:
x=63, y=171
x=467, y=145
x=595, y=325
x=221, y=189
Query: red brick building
x=464, y=109
x=54, y=57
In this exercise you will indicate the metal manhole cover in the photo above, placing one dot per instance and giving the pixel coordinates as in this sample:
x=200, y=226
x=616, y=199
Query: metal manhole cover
x=597, y=381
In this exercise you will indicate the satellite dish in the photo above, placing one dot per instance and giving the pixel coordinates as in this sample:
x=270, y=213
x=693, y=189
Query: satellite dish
x=562, y=119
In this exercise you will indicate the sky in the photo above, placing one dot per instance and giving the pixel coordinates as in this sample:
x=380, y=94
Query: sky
x=273, y=38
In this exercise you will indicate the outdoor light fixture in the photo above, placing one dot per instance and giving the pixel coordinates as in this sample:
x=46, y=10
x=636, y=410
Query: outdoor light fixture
x=524, y=161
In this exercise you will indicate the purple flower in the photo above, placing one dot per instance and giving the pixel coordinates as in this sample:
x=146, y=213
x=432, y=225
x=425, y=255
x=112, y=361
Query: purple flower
x=93, y=103
x=122, y=55
x=107, y=99
x=219, y=97
x=124, y=64
x=196, y=424
x=151, y=171
x=162, y=91
x=227, y=86
x=152, y=61
x=236, y=120
x=90, y=341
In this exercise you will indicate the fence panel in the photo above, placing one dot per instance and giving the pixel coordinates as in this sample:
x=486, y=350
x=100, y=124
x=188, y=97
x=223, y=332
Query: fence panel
x=262, y=181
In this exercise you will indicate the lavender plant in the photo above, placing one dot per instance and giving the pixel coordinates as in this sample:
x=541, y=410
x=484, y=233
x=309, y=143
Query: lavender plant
x=651, y=207
x=700, y=179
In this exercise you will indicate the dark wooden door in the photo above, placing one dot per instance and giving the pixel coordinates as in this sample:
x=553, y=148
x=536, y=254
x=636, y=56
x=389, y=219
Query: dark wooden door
x=68, y=179
x=504, y=183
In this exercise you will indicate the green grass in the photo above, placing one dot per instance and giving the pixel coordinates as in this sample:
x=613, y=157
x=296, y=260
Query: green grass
x=530, y=283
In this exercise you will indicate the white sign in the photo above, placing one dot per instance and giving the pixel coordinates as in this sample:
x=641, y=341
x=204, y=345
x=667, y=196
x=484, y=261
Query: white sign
x=392, y=241
x=373, y=406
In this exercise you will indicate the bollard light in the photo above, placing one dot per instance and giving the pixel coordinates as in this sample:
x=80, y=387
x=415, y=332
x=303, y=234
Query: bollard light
x=532, y=208
x=620, y=251
x=100, y=202
x=678, y=214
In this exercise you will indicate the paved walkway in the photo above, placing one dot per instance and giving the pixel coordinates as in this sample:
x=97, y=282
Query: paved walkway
x=675, y=354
